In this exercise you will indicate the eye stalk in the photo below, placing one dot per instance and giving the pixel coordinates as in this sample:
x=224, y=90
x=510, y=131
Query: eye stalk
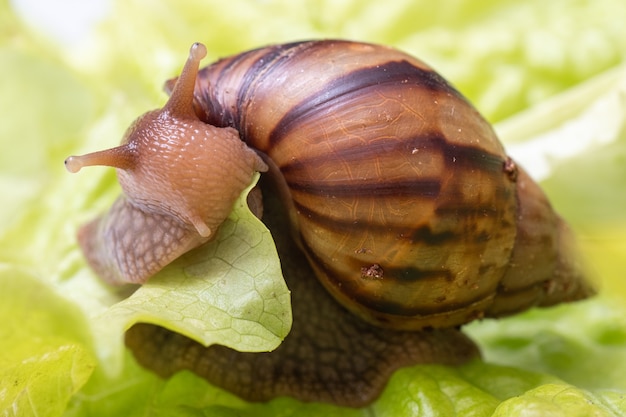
x=180, y=104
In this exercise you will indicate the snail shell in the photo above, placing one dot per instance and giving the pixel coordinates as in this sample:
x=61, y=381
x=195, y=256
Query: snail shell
x=398, y=192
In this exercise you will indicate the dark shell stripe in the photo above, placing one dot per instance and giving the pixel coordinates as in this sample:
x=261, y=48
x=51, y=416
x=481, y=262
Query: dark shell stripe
x=417, y=187
x=412, y=303
x=399, y=308
x=398, y=151
x=353, y=86
x=272, y=60
x=412, y=233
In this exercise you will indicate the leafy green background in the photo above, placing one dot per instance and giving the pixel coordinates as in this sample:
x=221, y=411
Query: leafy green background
x=551, y=75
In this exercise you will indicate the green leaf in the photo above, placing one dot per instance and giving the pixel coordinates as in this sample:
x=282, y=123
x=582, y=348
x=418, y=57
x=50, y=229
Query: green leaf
x=583, y=343
x=230, y=291
x=477, y=389
x=45, y=355
x=553, y=400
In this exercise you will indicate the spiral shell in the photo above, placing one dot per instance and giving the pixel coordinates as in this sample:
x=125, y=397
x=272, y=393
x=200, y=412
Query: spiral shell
x=401, y=195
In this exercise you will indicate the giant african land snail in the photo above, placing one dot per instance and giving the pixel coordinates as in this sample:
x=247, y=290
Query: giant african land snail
x=397, y=191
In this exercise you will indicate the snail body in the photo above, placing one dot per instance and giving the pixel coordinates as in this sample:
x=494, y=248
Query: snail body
x=397, y=191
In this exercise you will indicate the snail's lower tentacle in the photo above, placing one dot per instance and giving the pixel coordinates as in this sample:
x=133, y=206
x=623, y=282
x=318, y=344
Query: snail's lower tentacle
x=330, y=355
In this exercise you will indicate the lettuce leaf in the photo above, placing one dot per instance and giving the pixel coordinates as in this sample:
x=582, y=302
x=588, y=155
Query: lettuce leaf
x=46, y=356
x=229, y=292
x=60, y=321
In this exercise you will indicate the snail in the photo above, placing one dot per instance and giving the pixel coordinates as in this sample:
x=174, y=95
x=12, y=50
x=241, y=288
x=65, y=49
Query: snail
x=411, y=217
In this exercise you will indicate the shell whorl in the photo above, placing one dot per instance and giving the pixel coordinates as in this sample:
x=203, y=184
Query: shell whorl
x=403, y=203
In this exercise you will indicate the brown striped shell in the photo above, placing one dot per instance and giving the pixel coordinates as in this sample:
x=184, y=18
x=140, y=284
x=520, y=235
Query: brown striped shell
x=402, y=197
x=398, y=192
